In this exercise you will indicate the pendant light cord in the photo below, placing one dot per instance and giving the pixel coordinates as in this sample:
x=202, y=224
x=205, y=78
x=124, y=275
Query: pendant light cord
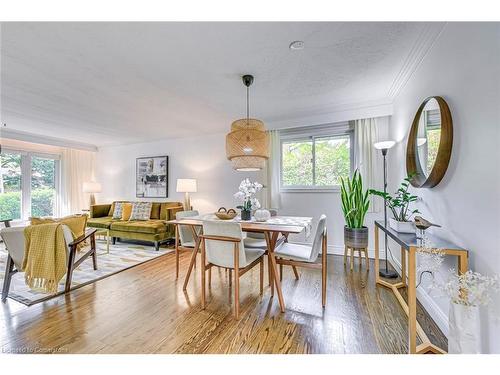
x=248, y=105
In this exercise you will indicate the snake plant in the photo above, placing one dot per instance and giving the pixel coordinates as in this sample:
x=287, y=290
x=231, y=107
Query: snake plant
x=355, y=201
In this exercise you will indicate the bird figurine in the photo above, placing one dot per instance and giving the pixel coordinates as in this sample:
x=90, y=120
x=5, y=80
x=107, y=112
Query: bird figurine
x=424, y=224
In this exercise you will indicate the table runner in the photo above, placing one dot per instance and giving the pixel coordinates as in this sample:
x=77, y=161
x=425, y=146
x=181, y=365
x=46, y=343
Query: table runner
x=305, y=222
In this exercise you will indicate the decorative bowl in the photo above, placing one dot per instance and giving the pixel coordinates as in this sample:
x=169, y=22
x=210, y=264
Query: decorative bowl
x=224, y=214
x=262, y=215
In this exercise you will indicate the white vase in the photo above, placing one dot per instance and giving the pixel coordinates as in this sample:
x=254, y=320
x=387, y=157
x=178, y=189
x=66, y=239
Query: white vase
x=262, y=215
x=465, y=329
x=402, y=226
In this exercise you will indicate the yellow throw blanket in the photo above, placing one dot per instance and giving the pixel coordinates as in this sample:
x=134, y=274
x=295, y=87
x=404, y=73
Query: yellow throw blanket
x=44, y=260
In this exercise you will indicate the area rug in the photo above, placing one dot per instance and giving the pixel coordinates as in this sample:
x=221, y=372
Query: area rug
x=121, y=256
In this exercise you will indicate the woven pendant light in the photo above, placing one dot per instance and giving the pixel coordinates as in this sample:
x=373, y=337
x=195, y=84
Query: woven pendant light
x=247, y=145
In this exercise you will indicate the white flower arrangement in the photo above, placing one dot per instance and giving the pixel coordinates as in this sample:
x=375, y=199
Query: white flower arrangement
x=470, y=288
x=430, y=258
x=245, y=194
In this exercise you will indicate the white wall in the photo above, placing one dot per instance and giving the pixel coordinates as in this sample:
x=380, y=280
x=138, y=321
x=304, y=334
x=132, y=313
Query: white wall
x=204, y=158
x=464, y=67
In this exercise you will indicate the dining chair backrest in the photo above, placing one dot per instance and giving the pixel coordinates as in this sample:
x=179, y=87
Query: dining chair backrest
x=185, y=233
x=221, y=253
x=318, y=238
x=13, y=238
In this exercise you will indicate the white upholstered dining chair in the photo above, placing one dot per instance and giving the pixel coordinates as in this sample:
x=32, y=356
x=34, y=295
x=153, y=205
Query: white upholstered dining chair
x=223, y=246
x=185, y=235
x=306, y=256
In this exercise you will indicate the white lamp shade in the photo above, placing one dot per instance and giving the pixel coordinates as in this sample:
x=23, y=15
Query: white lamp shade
x=186, y=185
x=384, y=145
x=91, y=187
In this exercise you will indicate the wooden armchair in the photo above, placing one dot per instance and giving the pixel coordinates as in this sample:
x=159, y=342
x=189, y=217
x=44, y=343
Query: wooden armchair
x=14, y=243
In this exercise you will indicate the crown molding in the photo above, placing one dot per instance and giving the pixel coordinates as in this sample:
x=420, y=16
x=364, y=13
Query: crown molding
x=334, y=114
x=422, y=45
x=42, y=139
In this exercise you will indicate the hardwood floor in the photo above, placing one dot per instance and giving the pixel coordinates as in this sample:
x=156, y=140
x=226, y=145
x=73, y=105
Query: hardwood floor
x=144, y=310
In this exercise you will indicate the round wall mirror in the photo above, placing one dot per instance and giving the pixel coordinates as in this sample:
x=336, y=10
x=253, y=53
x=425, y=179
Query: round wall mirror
x=429, y=143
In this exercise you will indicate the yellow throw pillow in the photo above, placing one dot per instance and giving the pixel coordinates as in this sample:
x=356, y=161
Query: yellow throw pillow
x=126, y=211
x=76, y=223
x=39, y=220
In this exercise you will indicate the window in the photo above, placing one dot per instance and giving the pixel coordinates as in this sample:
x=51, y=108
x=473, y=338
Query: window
x=10, y=187
x=29, y=185
x=43, y=186
x=316, y=161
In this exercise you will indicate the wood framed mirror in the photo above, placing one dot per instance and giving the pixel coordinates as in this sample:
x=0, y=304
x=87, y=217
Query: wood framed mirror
x=430, y=141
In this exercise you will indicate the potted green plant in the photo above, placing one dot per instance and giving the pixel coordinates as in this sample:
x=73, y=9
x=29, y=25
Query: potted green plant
x=246, y=191
x=355, y=204
x=399, y=204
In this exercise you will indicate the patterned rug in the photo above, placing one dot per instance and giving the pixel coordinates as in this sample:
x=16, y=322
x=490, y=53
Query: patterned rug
x=121, y=257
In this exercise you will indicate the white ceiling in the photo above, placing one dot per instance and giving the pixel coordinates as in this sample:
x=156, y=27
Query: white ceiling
x=112, y=83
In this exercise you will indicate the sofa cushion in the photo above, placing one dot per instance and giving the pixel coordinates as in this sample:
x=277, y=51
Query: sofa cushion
x=126, y=211
x=100, y=222
x=155, y=210
x=139, y=226
x=141, y=211
x=164, y=211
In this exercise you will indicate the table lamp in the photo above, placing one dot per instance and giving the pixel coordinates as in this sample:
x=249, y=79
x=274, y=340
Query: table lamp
x=384, y=146
x=91, y=187
x=186, y=186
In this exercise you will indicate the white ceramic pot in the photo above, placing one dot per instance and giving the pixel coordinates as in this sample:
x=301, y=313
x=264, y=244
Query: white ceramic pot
x=262, y=215
x=464, y=329
x=402, y=226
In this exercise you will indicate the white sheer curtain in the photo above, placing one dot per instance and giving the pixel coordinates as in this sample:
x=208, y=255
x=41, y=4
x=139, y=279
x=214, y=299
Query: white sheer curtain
x=77, y=167
x=271, y=197
x=366, y=158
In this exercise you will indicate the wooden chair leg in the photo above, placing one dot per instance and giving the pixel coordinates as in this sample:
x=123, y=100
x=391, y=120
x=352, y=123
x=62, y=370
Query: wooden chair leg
x=94, y=251
x=270, y=274
x=7, y=278
x=295, y=272
x=176, y=252
x=281, y=272
x=236, y=282
x=69, y=273
x=192, y=263
x=210, y=277
x=230, y=277
x=261, y=275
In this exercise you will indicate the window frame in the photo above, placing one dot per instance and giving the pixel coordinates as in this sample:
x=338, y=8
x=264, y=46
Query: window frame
x=26, y=170
x=330, y=133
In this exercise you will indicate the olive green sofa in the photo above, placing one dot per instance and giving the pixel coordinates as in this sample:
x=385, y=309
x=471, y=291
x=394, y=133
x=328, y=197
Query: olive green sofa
x=154, y=230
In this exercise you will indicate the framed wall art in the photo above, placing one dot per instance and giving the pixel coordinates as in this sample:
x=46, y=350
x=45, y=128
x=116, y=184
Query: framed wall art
x=152, y=177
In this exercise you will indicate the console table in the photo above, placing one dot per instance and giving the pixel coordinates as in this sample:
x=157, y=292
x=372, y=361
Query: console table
x=410, y=243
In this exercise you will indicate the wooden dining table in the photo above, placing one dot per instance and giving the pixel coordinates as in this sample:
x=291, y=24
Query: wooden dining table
x=271, y=230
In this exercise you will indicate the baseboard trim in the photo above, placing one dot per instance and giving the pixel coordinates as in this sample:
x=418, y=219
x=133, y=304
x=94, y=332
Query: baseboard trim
x=435, y=312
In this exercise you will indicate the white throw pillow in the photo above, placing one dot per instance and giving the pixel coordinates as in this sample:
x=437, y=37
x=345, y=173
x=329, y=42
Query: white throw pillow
x=117, y=211
x=141, y=210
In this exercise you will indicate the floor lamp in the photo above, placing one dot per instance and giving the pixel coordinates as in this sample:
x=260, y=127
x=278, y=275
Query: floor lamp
x=384, y=146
